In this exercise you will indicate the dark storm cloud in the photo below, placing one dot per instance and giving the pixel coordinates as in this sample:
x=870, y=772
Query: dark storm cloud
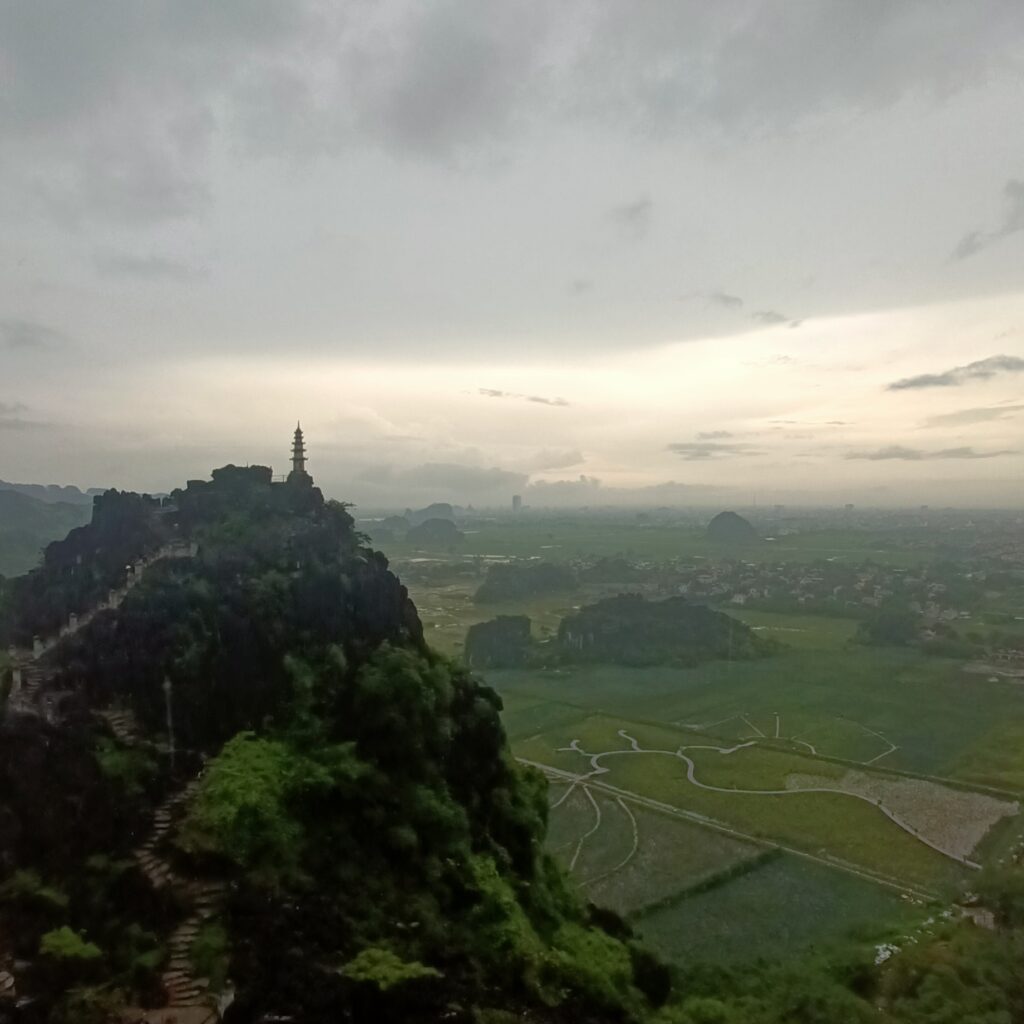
x=538, y=399
x=982, y=369
x=111, y=105
x=110, y=108
x=967, y=417
x=667, y=60
x=580, y=285
x=701, y=451
x=633, y=219
x=1012, y=222
x=769, y=316
x=147, y=268
x=449, y=74
x=900, y=452
x=725, y=300
x=25, y=334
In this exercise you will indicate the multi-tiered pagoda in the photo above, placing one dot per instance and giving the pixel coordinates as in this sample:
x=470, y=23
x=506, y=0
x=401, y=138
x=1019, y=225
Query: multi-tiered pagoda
x=298, y=455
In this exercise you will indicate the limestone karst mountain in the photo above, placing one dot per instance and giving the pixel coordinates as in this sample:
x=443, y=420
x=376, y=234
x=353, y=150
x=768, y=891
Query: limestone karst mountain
x=731, y=528
x=235, y=781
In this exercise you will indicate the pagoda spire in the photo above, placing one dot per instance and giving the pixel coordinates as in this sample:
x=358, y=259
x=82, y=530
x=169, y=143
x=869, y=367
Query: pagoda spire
x=298, y=451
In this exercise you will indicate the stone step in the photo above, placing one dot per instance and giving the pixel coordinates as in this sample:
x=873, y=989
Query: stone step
x=183, y=992
x=193, y=998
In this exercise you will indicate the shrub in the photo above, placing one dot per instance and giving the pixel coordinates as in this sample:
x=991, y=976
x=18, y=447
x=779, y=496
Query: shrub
x=65, y=944
x=382, y=969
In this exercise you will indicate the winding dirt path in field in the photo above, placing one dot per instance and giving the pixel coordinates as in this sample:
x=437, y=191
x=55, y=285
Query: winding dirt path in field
x=691, y=768
x=693, y=818
x=744, y=717
x=634, y=849
x=586, y=835
x=598, y=818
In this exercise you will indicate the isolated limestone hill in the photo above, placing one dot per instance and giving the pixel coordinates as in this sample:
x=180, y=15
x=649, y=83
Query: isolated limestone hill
x=503, y=642
x=731, y=528
x=437, y=510
x=28, y=524
x=511, y=582
x=435, y=533
x=268, y=786
x=631, y=630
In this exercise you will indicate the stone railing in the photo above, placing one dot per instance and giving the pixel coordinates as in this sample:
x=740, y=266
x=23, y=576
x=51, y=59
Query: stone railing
x=23, y=658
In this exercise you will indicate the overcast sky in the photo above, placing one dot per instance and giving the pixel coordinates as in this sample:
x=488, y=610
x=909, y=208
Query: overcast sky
x=593, y=250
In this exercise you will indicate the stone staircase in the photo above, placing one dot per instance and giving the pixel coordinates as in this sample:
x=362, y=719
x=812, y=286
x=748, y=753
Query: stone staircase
x=123, y=724
x=182, y=986
x=32, y=679
x=202, y=898
x=27, y=699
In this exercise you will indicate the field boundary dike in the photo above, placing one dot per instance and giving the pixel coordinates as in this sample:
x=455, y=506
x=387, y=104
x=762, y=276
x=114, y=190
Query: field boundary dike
x=711, y=881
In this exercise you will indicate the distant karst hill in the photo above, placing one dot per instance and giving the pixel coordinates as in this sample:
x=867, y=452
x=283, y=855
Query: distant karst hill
x=731, y=528
x=28, y=524
x=631, y=630
x=518, y=582
x=503, y=642
x=52, y=493
x=435, y=533
x=438, y=510
x=624, y=630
